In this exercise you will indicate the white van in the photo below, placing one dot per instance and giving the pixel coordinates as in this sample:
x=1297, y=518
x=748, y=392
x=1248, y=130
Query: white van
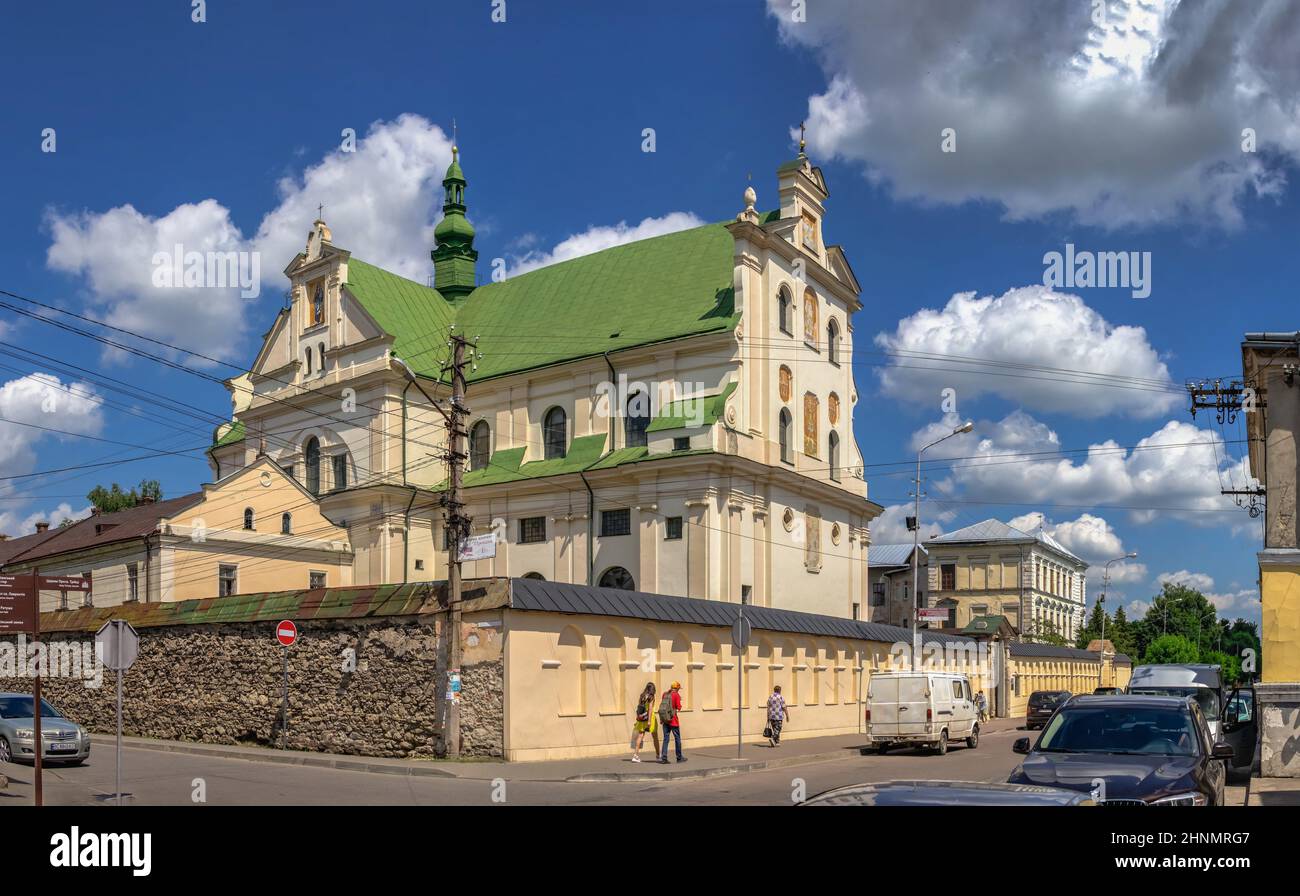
x=930, y=708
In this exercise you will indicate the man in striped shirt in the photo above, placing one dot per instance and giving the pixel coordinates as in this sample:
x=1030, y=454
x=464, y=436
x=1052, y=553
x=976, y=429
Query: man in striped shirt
x=777, y=714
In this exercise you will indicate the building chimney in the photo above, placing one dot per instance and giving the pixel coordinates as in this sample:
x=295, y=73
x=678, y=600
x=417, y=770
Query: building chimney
x=42, y=527
x=147, y=499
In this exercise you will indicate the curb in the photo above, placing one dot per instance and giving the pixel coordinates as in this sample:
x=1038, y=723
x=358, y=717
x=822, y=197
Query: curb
x=724, y=771
x=315, y=760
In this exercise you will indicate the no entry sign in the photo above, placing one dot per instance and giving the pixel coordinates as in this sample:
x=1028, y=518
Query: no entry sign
x=286, y=633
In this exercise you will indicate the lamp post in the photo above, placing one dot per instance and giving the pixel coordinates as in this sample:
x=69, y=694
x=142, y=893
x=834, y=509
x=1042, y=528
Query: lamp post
x=1105, y=583
x=916, y=544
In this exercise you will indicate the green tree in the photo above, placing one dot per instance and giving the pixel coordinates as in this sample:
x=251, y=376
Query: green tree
x=113, y=499
x=1171, y=649
x=1120, y=633
x=1092, y=630
x=1230, y=665
x=1178, y=610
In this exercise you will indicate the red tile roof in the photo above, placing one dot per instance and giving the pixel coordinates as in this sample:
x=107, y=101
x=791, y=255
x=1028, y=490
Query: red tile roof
x=94, y=531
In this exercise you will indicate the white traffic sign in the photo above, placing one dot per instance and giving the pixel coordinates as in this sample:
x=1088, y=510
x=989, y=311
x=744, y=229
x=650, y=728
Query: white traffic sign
x=118, y=643
x=286, y=633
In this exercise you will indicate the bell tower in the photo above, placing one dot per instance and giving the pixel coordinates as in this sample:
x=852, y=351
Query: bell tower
x=454, y=257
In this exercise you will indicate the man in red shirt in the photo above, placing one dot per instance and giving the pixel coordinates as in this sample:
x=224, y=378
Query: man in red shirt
x=671, y=725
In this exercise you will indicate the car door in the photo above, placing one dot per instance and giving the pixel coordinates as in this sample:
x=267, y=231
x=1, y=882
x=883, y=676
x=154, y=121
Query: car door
x=1240, y=728
x=1214, y=770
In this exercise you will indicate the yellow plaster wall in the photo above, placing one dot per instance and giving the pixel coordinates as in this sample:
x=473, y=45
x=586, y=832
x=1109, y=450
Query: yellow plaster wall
x=1280, y=597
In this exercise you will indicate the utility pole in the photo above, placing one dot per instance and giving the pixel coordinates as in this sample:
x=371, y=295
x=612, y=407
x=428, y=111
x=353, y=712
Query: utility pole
x=447, y=683
x=458, y=526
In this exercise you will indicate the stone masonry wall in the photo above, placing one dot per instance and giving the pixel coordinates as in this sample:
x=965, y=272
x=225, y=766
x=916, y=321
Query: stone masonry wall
x=223, y=683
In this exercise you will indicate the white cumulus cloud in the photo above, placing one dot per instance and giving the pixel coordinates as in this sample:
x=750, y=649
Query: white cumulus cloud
x=1041, y=349
x=1131, y=116
x=381, y=202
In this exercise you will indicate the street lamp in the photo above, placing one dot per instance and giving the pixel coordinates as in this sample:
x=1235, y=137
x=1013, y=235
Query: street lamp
x=1105, y=583
x=916, y=543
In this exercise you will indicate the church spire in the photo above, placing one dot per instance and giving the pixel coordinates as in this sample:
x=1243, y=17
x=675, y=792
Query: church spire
x=454, y=257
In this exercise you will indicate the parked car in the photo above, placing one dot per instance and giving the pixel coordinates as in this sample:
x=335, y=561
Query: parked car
x=1099, y=691
x=1041, y=706
x=1201, y=681
x=1136, y=750
x=948, y=793
x=920, y=708
x=64, y=740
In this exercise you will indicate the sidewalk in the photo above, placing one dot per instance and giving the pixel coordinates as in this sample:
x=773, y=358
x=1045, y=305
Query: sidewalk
x=1273, y=792
x=702, y=762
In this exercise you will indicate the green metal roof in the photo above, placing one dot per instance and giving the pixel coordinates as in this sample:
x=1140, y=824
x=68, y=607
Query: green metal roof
x=653, y=290
x=508, y=466
x=233, y=434
x=417, y=316
x=700, y=410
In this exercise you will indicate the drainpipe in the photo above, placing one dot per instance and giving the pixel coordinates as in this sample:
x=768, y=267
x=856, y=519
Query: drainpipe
x=147, y=555
x=406, y=531
x=591, y=496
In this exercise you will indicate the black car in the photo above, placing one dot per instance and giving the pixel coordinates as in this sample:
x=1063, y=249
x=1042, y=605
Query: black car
x=1107, y=690
x=948, y=793
x=1128, y=750
x=1041, y=706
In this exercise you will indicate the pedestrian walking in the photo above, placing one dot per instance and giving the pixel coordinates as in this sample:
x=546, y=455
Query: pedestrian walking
x=647, y=722
x=981, y=704
x=777, y=715
x=669, y=707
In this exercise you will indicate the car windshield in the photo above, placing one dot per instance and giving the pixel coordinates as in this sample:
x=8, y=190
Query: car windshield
x=21, y=708
x=1045, y=699
x=1121, y=729
x=1204, y=697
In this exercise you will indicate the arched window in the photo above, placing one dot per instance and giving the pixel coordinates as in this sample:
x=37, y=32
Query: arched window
x=321, y=352
x=248, y=518
x=785, y=435
x=617, y=577
x=833, y=342
x=783, y=311
x=480, y=445
x=286, y=524
x=555, y=433
x=312, y=452
x=307, y=370
x=535, y=576
x=318, y=305
x=833, y=455
x=638, y=420
x=810, y=316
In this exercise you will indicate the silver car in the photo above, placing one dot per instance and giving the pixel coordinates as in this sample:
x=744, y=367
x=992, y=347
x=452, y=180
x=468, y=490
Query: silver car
x=65, y=741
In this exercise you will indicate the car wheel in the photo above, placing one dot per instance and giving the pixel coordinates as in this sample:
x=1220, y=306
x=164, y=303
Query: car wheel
x=6, y=754
x=75, y=762
x=974, y=740
x=942, y=746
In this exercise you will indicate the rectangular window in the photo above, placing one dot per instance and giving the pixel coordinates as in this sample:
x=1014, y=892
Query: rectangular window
x=948, y=577
x=682, y=443
x=672, y=528
x=315, y=580
x=532, y=529
x=340, y=471
x=615, y=522
x=132, y=582
x=288, y=470
x=227, y=579
x=746, y=594
x=419, y=565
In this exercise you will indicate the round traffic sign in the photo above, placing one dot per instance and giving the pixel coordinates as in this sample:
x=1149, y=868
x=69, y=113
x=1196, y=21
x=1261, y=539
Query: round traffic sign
x=741, y=630
x=286, y=633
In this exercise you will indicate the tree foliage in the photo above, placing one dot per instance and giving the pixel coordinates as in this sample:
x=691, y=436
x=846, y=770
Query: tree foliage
x=1171, y=649
x=113, y=499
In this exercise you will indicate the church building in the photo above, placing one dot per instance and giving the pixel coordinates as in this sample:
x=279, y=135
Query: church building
x=673, y=415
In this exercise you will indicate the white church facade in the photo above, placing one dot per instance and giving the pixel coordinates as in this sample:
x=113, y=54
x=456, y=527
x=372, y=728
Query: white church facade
x=673, y=415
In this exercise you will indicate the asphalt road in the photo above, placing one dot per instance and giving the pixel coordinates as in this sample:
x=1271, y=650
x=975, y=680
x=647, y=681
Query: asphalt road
x=161, y=778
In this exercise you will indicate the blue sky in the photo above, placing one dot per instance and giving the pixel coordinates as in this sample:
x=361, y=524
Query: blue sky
x=1067, y=131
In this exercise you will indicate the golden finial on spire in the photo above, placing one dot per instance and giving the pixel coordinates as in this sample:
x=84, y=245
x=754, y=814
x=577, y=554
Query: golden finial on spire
x=802, y=141
x=454, y=149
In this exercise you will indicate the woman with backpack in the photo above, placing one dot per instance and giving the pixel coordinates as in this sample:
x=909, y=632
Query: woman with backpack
x=646, y=721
